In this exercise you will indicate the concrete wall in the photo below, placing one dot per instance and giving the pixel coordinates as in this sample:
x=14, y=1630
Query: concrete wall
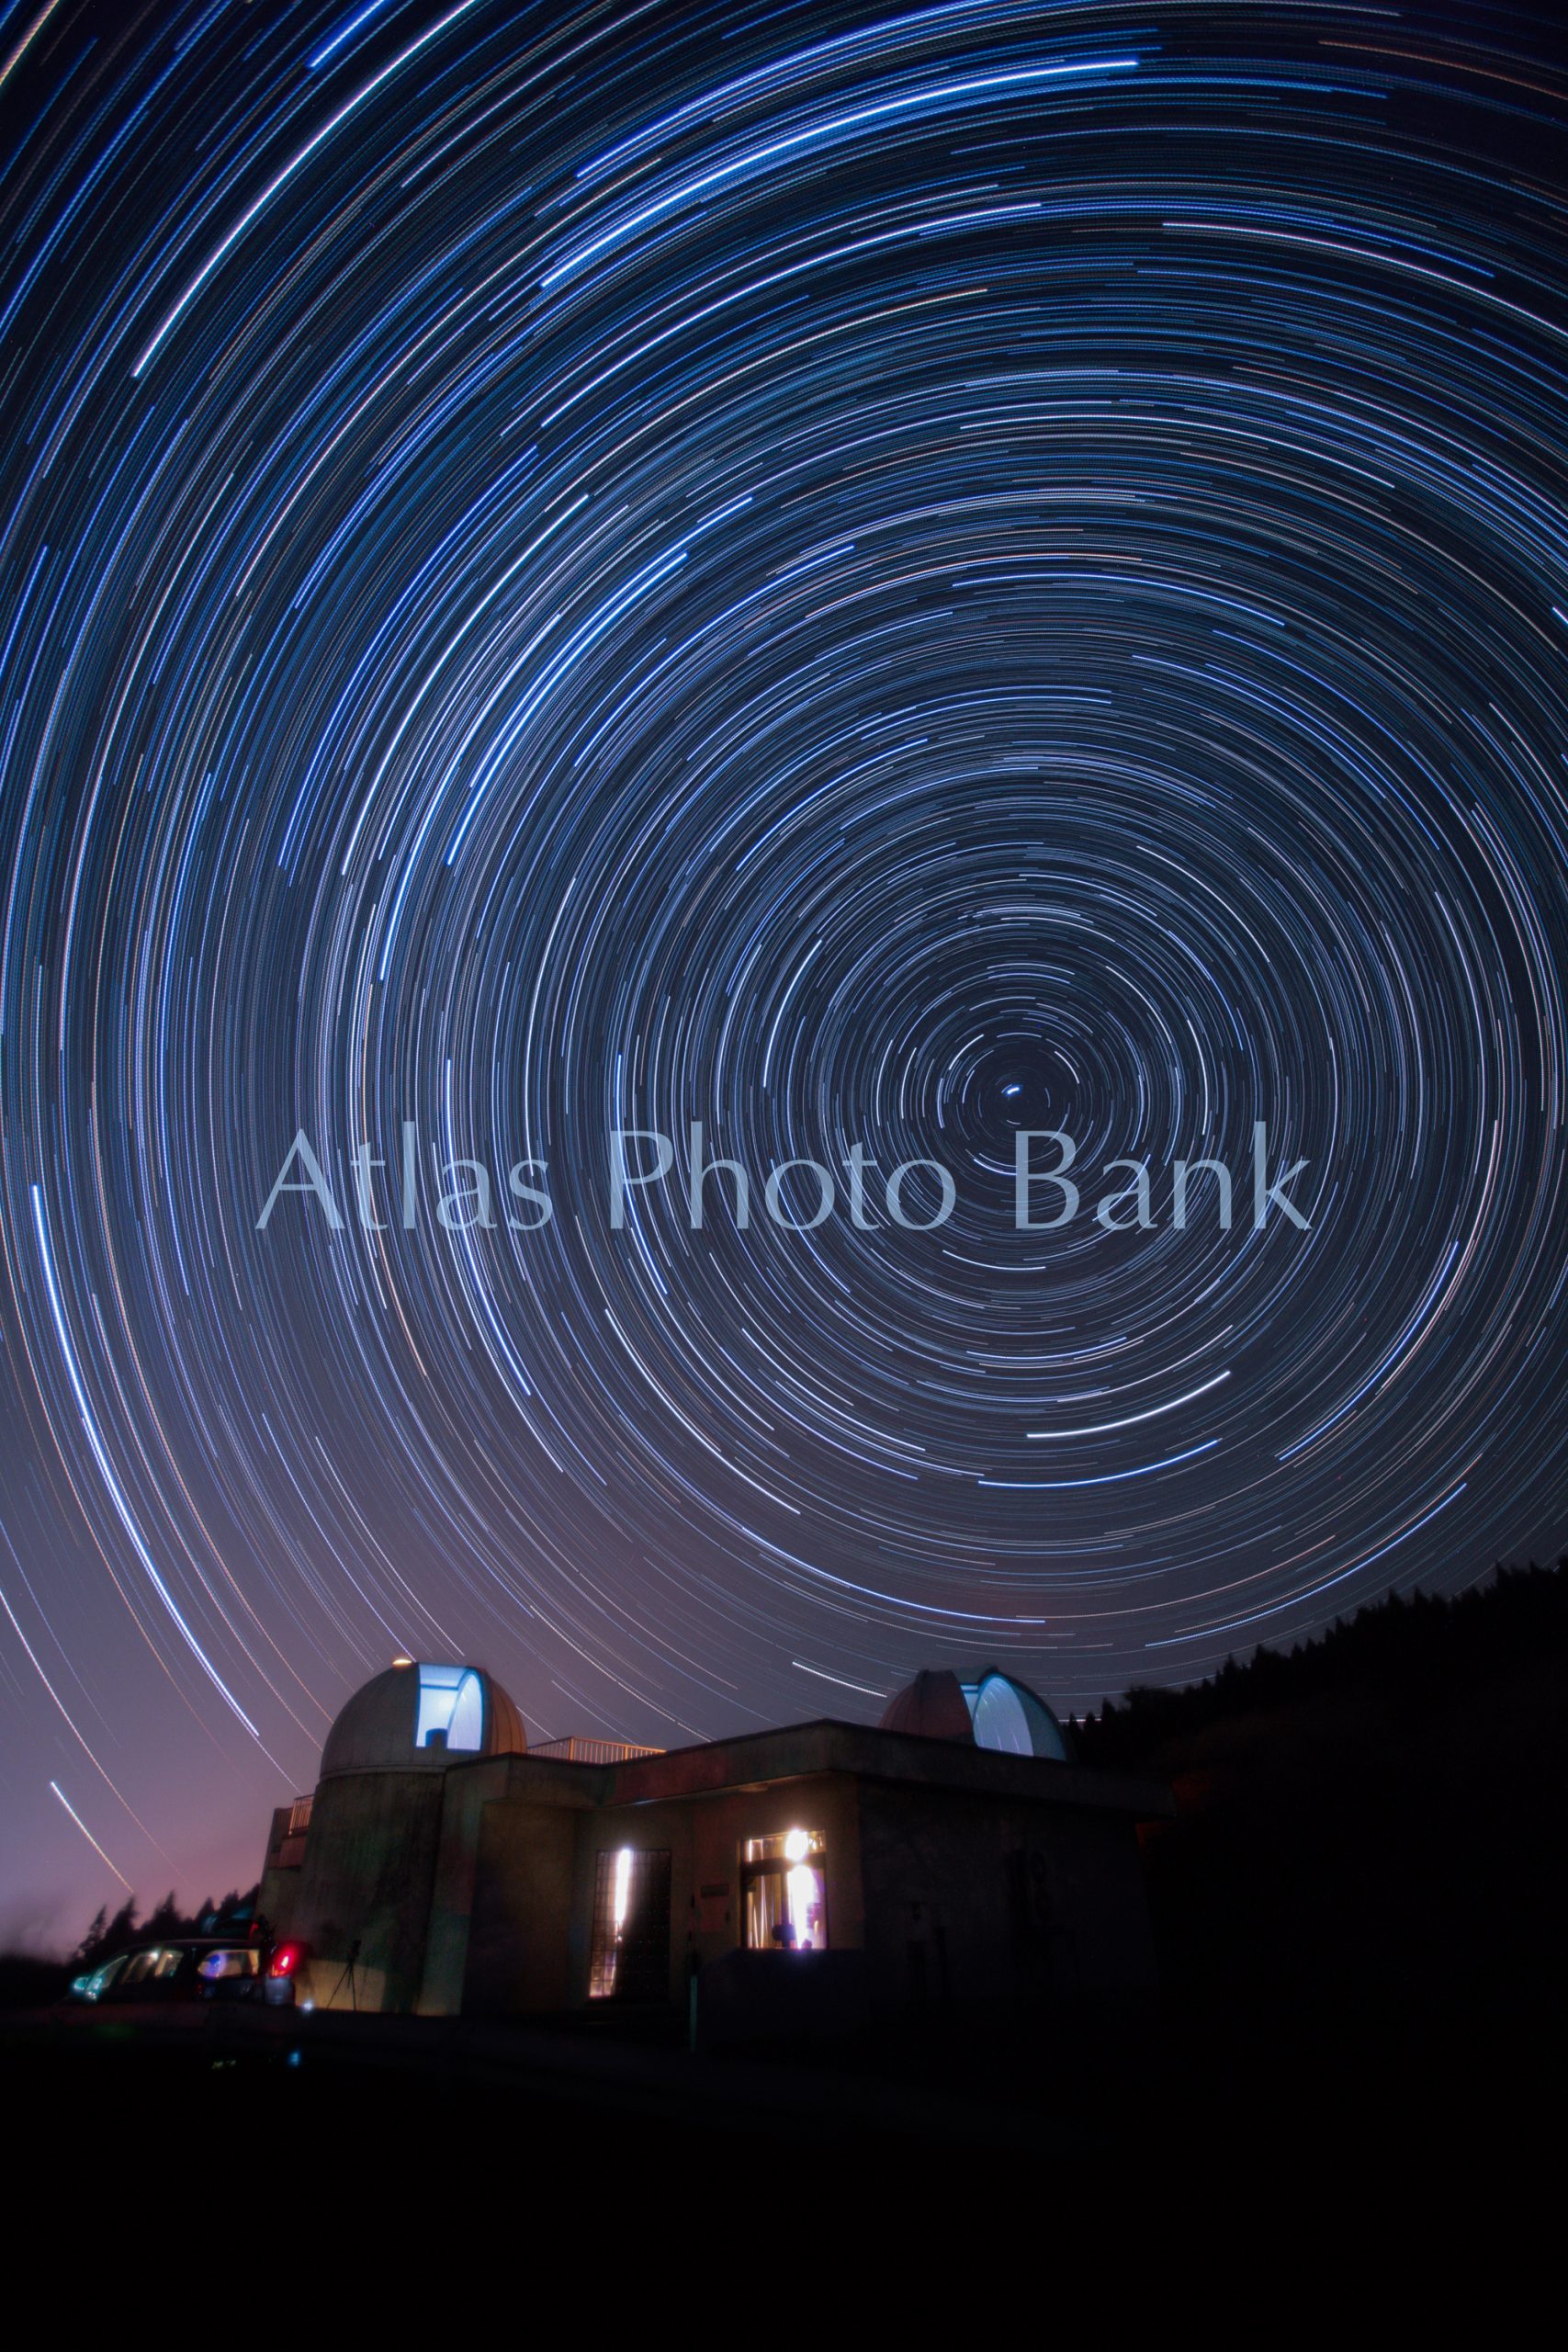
x=972, y=1903
x=703, y=1836
x=472, y=1889
x=521, y=1939
x=278, y=1901
x=279, y=1898
x=465, y=1792
x=369, y=1874
x=536, y=1867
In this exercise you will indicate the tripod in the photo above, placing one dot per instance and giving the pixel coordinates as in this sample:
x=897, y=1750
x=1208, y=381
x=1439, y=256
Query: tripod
x=347, y=1978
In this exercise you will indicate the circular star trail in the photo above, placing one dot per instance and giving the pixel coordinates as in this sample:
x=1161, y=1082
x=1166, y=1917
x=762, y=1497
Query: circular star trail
x=859, y=577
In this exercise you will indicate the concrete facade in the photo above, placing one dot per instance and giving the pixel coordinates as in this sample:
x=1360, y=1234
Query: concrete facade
x=940, y=1875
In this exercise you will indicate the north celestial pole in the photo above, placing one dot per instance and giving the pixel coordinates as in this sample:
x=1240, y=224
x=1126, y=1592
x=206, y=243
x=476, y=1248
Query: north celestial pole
x=853, y=575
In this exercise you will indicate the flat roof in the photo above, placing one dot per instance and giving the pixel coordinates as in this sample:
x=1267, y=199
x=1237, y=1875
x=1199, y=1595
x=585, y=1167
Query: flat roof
x=800, y=1751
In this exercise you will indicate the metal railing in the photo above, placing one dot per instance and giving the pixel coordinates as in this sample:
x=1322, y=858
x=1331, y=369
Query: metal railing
x=578, y=1750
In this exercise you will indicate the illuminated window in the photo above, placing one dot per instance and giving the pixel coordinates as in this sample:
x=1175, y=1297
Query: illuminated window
x=153, y=1967
x=783, y=1892
x=630, y=1955
x=451, y=1708
x=245, y=1961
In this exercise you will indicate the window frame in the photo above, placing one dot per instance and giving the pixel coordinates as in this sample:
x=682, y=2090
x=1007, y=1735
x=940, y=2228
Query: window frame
x=636, y=1984
x=753, y=1869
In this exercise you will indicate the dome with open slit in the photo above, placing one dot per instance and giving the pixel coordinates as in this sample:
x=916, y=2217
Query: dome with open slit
x=421, y=1717
x=994, y=1710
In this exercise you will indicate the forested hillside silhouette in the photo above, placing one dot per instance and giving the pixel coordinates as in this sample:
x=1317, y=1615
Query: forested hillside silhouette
x=166, y=1923
x=1366, y=1860
x=1406, y=1649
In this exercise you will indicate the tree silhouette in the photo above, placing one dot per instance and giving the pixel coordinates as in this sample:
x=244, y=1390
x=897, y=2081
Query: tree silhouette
x=93, y=1940
x=167, y=1924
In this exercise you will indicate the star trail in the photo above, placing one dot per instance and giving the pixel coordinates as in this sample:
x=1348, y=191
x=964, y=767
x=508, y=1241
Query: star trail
x=860, y=577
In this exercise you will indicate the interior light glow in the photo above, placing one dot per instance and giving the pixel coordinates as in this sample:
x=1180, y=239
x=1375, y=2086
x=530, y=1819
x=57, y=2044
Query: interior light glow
x=451, y=1708
x=801, y=1893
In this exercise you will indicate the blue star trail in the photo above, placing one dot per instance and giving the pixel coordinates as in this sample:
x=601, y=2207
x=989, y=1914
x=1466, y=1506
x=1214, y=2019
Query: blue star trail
x=852, y=575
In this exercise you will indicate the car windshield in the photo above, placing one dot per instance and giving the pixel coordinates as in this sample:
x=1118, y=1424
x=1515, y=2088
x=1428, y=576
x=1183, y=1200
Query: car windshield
x=97, y=1984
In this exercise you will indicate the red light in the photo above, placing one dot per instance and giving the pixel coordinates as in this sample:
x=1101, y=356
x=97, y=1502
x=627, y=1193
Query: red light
x=285, y=1960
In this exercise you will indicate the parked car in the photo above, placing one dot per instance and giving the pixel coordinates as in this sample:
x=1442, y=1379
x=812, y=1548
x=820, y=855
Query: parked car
x=281, y=1982
x=206, y=1968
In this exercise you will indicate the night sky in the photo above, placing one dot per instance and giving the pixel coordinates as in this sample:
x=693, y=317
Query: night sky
x=852, y=575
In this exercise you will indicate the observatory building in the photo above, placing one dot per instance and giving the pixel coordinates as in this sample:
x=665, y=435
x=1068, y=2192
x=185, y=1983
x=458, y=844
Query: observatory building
x=955, y=1858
